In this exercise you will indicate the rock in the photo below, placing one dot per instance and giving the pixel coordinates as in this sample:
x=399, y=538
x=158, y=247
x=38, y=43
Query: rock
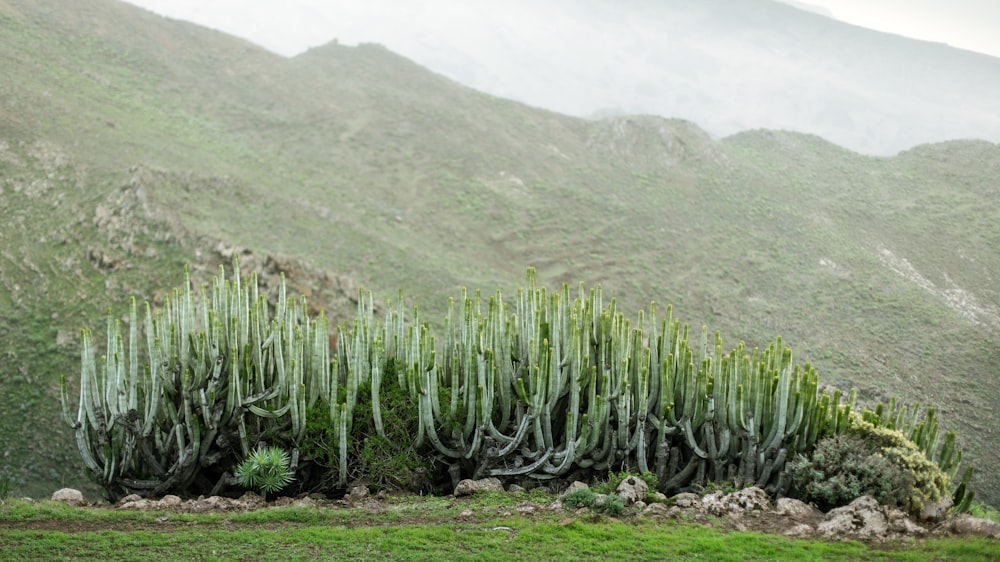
x=632, y=489
x=556, y=506
x=466, y=513
x=250, y=500
x=515, y=489
x=141, y=504
x=359, y=493
x=69, y=496
x=799, y=531
x=640, y=504
x=170, y=502
x=937, y=511
x=129, y=499
x=687, y=499
x=576, y=486
x=600, y=500
x=468, y=487
x=213, y=503
x=797, y=510
x=736, y=503
x=966, y=525
x=862, y=519
x=305, y=502
x=660, y=496
x=490, y=485
x=900, y=522
x=749, y=499
x=526, y=509
x=656, y=509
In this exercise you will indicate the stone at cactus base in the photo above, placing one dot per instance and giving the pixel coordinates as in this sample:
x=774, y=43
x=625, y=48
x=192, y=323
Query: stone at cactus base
x=70, y=497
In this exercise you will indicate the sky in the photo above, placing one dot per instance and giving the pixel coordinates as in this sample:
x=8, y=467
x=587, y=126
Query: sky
x=289, y=27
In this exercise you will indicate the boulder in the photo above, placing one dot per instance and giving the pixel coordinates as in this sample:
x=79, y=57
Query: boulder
x=966, y=525
x=468, y=487
x=169, y=502
x=69, y=496
x=797, y=510
x=687, y=499
x=576, y=486
x=359, y=493
x=632, y=489
x=660, y=509
x=862, y=519
x=736, y=503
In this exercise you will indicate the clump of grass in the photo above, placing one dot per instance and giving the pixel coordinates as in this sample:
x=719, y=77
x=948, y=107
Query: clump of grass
x=984, y=511
x=608, y=503
x=579, y=498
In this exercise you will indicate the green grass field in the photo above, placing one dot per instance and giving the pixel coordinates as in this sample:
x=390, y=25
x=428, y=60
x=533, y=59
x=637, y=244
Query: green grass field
x=410, y=528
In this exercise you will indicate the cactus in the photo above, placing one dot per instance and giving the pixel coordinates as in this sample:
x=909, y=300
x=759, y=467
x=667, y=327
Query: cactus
x=548, y=385
x=177, y=401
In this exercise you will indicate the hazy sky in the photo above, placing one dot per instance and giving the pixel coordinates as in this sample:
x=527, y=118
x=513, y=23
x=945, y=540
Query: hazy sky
x=289, y=27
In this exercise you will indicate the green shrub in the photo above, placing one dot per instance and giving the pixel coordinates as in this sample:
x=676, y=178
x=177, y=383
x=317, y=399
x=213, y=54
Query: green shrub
x=845, y=467
x=579, y=498
x=614, y=505
x=387, y=461
x=928, y=483
x=984, y=511
x=4, y=486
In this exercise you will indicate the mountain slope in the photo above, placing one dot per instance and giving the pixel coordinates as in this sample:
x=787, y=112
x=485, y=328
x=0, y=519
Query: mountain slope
x=131, y=144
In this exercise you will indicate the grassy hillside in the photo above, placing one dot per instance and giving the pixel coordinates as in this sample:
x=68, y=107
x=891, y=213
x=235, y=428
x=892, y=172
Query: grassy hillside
x=131, y=145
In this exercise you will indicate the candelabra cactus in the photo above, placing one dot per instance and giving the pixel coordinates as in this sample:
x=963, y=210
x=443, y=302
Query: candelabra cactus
x=550, y=385
x=178, y=400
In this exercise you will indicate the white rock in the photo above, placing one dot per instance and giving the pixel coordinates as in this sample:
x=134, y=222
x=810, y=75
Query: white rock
x=69, y=496
x=632, y=489
x=170, y=501
x=862, y=519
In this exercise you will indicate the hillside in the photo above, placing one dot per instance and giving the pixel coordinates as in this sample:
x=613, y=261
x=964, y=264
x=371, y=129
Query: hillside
x=131, y=145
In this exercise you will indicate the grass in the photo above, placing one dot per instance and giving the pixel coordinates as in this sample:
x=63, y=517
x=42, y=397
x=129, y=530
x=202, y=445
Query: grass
x=419, y=529
x=377, y=173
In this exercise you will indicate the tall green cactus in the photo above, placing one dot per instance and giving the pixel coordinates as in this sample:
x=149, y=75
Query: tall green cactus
x=561, y=384
x=176, y=401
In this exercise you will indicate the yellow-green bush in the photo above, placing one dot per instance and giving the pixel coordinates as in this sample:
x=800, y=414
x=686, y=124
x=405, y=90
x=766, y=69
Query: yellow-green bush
x=930, y=484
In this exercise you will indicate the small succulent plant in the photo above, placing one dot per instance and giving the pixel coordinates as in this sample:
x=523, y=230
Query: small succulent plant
x=266, y=469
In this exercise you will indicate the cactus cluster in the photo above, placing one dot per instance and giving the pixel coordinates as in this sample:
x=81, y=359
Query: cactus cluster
x=557, y=384
x=178, y=400
x=552, y=385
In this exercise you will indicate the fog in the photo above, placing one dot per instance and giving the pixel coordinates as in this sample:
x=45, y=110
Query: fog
x=727, y=65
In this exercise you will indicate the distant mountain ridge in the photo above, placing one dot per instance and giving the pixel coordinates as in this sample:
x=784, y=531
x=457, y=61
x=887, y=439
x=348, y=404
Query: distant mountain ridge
x=729, y=65
x=131, y=145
